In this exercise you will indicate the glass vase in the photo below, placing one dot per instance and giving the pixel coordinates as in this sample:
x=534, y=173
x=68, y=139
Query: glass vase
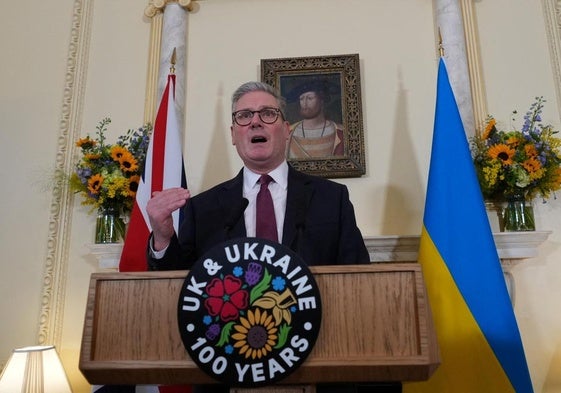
x=518, y=214
x=109, y=226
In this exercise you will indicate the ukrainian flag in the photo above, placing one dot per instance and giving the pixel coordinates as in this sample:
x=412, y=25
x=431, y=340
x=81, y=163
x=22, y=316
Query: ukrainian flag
x=480, y=345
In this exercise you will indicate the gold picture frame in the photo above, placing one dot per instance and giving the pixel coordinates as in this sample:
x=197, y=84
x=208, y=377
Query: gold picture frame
x=335, y=147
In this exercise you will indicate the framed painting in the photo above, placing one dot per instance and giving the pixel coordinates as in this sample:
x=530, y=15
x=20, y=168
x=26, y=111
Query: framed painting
x=324, y=109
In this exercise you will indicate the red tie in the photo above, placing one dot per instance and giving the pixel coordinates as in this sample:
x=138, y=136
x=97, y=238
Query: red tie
x=266, y=224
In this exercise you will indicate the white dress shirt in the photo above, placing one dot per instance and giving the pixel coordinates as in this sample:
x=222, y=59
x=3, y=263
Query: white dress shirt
x=278, y=188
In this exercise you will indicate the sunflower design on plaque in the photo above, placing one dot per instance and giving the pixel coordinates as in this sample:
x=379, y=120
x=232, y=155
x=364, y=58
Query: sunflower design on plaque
x=249, y=312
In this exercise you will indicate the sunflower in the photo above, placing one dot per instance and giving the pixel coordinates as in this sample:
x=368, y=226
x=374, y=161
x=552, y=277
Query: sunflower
x=92, y=156
x=532, y=165
x=86, y=143
x=488, y=128
x=502, y=152
x=94, y=183
x=255, y=335
x=530, y=150
x=127, y=162
x=514, y=140
x=117, y=152
x=134, y=181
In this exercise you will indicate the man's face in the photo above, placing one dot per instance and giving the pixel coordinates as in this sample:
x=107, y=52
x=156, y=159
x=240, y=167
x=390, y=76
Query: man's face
x=261, y=146
x=311, y=105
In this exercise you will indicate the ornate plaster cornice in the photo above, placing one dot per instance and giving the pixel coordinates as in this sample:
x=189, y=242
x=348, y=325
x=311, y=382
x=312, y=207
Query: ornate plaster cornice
x=156, y=7
x=157, y=11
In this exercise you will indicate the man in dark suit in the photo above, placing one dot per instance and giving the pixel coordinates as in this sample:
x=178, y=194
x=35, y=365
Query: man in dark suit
x=314, y=216
x=319, y=223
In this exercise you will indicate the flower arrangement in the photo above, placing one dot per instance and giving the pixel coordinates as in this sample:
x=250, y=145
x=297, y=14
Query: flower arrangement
x=107, y=175
x=515, y=162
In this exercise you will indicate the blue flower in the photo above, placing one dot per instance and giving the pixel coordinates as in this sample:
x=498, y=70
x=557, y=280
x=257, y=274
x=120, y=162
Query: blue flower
x=278, y=283
x=207, y=320
x=238, y=271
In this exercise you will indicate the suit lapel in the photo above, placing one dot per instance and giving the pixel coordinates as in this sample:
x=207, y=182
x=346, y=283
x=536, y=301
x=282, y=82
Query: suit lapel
x=299, y=194
x=229, y=198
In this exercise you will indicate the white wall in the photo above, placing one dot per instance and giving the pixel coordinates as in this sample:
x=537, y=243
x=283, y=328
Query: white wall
x=226, y=41
x=34, y=43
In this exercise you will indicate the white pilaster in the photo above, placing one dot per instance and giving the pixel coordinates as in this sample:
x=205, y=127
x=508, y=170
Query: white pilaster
x=449, y=21
x=174, y=36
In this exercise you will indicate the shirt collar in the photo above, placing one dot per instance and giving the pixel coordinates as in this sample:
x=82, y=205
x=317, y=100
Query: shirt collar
x=279, y=175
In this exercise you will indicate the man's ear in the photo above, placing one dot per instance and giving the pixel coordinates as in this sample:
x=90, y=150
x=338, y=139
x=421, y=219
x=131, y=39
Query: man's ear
x=288, y=128
x=232, y=135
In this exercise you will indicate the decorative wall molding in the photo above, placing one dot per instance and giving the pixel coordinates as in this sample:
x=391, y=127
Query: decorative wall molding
x=552, y=17
x=157, y=6
x=60, y=220
x=512, y=247
x=154, y=48
x=478, y=94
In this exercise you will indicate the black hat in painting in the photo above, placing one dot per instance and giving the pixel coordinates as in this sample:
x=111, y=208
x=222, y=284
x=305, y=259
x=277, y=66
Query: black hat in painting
x=322, y=86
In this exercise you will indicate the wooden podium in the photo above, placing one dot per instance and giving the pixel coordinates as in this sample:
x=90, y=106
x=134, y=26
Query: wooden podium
x=376, y=326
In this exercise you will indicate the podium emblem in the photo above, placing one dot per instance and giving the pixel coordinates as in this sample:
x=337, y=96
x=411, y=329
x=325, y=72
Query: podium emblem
x=249, y=312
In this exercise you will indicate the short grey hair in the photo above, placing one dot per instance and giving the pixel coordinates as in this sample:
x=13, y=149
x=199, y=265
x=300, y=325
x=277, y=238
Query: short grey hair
x=252, y=86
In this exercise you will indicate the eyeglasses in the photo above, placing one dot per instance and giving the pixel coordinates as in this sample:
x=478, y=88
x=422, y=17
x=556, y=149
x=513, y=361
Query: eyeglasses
x=245, y=116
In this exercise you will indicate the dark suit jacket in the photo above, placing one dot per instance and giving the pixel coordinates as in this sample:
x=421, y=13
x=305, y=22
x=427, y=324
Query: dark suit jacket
x=319, y=224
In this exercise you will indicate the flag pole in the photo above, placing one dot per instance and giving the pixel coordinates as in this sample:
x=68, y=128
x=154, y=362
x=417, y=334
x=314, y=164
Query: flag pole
x=440, y=46
x=172, y=61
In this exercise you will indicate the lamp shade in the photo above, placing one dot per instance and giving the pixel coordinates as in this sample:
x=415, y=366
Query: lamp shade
x=34, y=370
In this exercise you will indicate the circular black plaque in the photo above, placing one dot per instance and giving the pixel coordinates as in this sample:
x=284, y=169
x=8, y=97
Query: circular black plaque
x=249, y=312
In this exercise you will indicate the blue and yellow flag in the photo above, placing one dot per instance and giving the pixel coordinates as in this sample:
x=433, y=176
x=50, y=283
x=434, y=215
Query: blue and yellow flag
x=480, y=345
